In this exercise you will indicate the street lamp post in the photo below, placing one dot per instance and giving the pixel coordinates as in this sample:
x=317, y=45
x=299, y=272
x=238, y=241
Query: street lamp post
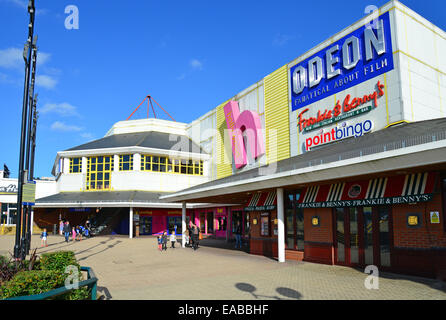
x=27, y=58
x=26, y=237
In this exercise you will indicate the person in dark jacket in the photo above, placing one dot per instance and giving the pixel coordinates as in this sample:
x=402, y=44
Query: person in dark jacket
x=238, y=235
x=195, y=236
x=67, y=230
x=165, y=240
x=191, y=233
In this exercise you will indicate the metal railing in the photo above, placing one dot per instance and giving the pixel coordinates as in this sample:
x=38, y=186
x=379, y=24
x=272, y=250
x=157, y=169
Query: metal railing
x=91, y=283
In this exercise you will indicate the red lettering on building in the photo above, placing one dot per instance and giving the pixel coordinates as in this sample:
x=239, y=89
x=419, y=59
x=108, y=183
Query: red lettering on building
x=347, y=105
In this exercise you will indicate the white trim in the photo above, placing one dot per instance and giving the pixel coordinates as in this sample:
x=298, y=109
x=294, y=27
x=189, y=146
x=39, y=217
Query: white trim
x=125, y=204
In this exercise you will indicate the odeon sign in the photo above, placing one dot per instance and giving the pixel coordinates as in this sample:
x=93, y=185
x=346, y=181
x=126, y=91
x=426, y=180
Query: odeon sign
x=357, y=57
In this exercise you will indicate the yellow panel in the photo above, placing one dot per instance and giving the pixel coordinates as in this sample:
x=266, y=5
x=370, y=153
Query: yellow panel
x=224, y=158
x=277, y=115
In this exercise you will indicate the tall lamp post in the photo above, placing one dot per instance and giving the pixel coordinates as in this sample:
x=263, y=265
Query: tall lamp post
x=27, y=57
x=26, y=233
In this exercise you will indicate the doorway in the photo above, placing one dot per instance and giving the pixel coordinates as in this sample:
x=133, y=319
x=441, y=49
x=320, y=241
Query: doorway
x=145, y=225
x=362, y=236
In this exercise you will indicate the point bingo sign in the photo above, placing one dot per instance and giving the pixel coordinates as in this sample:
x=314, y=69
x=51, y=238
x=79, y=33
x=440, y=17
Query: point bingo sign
x=357, y=57
x=339, y=133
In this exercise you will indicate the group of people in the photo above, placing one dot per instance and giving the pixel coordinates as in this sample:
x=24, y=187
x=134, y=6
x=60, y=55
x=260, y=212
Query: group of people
x=76, y=232
x=162, y=240
x=192, y=238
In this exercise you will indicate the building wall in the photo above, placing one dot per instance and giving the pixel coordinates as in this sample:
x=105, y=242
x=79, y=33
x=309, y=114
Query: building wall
x=318, y=239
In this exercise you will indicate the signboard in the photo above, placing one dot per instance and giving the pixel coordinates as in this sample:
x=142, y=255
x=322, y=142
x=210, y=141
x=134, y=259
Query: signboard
x=435, y=217
x=357, y=57
x=367, y=202
x=29, y=193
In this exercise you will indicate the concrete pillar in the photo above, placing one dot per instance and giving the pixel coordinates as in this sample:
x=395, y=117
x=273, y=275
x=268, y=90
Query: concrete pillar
x=183, y=225
x=84, y=164
x=32, y=221
x=116, y=163
x=131, y=223
x=280, y=226
x=137, y=162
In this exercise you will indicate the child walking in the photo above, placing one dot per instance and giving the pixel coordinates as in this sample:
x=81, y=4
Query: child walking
x=160, y=243
x=165, y=240
x=43, y=236
x=73, y=234
x=173, y=239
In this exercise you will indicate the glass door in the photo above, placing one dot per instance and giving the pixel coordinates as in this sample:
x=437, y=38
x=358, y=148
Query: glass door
x=363, y=236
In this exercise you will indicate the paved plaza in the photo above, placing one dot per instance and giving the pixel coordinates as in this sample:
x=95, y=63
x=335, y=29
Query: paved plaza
x=136, y=269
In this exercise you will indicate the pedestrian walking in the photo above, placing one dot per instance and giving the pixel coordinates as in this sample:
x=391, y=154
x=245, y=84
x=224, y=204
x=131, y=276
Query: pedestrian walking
x=173, y=239
x=160, y=243
x=73, y=234
x=165, y=240
x=43, y=238
x=196, y=235
x=191, y=233
x=61, y=225
x=66, y=231
x=238, y=235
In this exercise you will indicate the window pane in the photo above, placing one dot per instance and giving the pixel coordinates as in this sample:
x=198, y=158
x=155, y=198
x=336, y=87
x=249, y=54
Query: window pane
x=300, y=228
x=289, y=228
x=354, y=241
x=368, y=235
x=340, y=234
x=384, y=239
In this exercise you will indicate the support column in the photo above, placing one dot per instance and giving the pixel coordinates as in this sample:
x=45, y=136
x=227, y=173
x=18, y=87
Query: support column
x=131, y=223
x=32, y=221
x=183, y=225
x=280, y=226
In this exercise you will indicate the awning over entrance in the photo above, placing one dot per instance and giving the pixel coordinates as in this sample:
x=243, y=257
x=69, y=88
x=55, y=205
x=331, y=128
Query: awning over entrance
x=411, y=188
x=261, y=201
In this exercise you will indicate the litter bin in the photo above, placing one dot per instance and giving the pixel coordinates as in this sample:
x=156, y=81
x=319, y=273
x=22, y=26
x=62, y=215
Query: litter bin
x=54, y=229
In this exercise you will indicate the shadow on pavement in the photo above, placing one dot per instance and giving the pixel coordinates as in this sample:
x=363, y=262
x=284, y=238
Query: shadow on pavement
x=103, y=293
x=286, y=292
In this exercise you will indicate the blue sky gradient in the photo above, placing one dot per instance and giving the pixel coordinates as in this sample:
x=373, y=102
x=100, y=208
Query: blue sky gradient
x=189, y=55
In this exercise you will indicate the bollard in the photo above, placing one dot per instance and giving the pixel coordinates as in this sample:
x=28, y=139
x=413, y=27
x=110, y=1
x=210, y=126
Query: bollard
x=54, y=229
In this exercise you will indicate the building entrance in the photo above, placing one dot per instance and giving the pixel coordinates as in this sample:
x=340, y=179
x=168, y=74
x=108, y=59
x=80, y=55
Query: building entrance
x=362, y=236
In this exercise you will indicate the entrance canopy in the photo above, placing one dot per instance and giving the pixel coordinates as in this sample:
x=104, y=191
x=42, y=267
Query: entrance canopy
x=262, y=201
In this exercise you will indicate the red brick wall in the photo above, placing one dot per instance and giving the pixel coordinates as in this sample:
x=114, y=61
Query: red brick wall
x=322, y=233
x=428, y=235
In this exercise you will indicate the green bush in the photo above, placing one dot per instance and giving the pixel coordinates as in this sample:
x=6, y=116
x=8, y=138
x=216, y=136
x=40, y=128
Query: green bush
x=57, y=261
x=48, y=274
x=32, y=282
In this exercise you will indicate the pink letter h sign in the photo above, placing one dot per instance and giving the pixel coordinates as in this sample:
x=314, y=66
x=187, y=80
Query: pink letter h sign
x=249, y=122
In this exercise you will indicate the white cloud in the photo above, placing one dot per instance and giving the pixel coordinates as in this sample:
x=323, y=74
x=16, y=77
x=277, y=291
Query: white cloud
x=87, y=135
x=63, y=109
x=196, y=64
x=181, y=76
x=46, y=81
x=281, y=39
x=12, y=58
x=61, y=126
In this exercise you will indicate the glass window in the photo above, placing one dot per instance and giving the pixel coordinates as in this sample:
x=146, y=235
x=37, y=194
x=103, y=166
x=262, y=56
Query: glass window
x=384, y=238
x=125, y=162
x=340, y=240
x=290, y=228
x=75, y=165
x=354, y=236
x=368, y=235
x=264, y=224
x=300, y=229
x=210, y=222
x=98, y=174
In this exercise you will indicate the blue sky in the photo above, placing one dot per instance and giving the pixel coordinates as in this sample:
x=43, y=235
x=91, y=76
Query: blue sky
x=189, y=55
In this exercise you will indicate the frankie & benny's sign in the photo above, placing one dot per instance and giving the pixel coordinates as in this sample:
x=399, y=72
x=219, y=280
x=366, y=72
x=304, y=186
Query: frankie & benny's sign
x=357, y=57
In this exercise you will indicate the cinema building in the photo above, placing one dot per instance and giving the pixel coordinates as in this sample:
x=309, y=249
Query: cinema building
x=337, y=157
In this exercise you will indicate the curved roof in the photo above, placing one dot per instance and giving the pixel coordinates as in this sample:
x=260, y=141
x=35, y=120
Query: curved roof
x=152, y=139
